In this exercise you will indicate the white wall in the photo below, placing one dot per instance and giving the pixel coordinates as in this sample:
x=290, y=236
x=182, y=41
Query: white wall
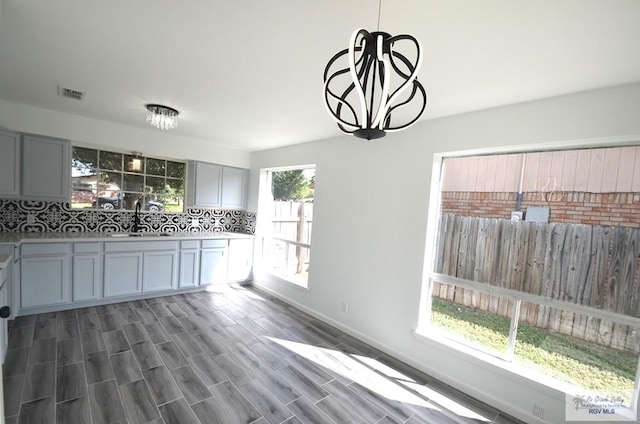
x=370, y=223
x=92, y=132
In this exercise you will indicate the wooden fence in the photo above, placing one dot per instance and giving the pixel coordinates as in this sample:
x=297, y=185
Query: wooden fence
x=293, y=221
x=594, y=266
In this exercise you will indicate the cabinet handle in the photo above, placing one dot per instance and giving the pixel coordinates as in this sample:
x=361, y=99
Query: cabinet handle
x=5, y=312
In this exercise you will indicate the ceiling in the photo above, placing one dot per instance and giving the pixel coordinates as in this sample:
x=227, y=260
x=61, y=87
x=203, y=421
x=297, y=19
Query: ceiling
x=248, y=74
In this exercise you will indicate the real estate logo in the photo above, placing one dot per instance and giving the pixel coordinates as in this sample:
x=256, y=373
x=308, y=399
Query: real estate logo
x=598, y=408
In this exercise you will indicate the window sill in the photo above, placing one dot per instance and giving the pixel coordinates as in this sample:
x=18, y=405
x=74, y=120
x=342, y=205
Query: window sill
x=429, y=335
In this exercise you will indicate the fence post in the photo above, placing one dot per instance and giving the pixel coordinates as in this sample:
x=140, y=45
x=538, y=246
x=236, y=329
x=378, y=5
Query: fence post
x=301, y=237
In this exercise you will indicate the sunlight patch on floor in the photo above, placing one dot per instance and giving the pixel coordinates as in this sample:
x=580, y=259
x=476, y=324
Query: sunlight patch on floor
x=445, y=402
x=357, y=371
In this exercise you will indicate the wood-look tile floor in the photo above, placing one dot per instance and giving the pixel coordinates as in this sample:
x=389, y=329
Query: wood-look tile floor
x=234, y=355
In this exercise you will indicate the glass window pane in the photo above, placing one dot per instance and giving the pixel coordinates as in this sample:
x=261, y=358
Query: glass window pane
x=84, y=177
x=134, y=164
x=111, y=161
x=155, y=185
x=129, y=200
x=471, y=317
x=174, y=198
x=287, y=260
x=591, y=353
x=153, y=203
x=100, y=179
x=109, y=194
x=175, y=169
x=156, y=166
x=84, y=160
x=110, y=181
x=133, y=182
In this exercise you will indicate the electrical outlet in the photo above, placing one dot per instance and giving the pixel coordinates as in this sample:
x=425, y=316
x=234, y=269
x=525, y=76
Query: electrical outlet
x=345, y=307
x=538, y=411
x=195, y=222
x=31, y=218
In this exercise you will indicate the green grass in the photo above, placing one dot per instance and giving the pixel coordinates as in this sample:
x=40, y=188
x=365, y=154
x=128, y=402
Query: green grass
x=588, y=365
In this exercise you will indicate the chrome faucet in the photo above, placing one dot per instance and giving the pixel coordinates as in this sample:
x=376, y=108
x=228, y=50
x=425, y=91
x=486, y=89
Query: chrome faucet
x=136, y=218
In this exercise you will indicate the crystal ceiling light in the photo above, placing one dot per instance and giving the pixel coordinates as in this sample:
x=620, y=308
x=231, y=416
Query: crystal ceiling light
x=378, y=80
x=162, y=117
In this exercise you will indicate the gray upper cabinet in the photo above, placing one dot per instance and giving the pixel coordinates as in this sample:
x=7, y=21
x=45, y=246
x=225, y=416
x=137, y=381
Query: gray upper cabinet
x=34, y=167
x=216, y=186
x=234, y=187
x=45, y=168
x=203, y=182
x=9, y=164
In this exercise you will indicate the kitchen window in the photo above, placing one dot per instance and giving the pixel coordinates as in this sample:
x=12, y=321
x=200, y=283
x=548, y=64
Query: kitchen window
x=537, y=262
x=116, y=181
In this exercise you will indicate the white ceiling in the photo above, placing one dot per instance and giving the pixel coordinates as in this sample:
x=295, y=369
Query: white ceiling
x=248, y=74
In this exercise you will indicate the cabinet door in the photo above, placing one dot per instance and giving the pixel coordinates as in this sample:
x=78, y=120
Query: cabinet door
x=213, y=266
x=159, y=272
x=234, y=187
x=240, y=260
x=46, y=168
x=207, y=185
x=44, y=281
x=4, y=301
x=189, y=267
x=86, y=277
x=9, y=164
x=122, y=274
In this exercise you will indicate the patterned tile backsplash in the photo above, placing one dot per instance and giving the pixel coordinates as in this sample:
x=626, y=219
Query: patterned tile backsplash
x=41, y=216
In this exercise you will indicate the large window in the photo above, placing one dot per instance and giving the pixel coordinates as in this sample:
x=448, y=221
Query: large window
x=538, y=263
x=110, y=180
x=286, y=243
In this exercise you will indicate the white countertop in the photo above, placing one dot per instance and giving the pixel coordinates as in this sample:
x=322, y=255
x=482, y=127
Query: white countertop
x=17, y=238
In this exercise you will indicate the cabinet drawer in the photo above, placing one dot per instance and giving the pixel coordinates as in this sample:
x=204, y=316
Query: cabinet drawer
x=189, y=244
x=86, y=248
x=209, y=244
x=143, y=246
x=44, y=249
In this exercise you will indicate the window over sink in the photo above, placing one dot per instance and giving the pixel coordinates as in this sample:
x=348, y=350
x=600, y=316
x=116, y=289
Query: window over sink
x=116, y=181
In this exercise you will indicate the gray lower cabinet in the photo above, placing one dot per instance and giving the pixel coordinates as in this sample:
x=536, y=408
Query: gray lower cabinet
x=59, y=273
x=86, y=277
x=44, y=280
x=189, y=264
x=5, y=284
x=213, y=262
x=240, y=260
x=86, y=271
x=159, y=271
x=133, y=267
x=44, y=274
x=122, y=274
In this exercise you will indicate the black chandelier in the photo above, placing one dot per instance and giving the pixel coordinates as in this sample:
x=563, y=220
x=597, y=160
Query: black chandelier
x=378, y=81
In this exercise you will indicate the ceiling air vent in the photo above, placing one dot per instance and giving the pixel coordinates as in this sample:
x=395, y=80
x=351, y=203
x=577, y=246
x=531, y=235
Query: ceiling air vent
x=70, y=93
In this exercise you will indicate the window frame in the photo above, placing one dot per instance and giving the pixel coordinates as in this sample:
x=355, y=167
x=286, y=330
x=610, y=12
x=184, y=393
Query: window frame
x=122, y=172
x=265, y=236
x=425, y=330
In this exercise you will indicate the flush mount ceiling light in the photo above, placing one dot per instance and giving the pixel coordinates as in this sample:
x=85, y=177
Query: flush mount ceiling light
x=377, y=81
x=162, y=117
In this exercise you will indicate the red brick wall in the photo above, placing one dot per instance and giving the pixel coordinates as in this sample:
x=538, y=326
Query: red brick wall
x=612, y=209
